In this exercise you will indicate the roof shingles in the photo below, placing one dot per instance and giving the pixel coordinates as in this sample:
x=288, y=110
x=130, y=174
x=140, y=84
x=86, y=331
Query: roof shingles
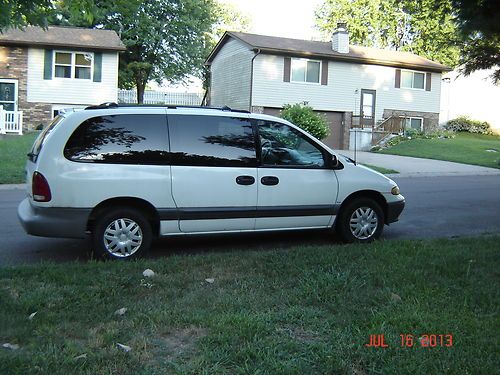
x=60, y=36
x=299, y=47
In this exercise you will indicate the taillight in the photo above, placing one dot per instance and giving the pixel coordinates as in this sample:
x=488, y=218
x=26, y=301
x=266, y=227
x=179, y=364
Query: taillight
x=40, y=188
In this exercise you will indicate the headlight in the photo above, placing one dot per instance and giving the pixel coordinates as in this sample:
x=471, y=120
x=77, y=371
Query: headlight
x=395, y=190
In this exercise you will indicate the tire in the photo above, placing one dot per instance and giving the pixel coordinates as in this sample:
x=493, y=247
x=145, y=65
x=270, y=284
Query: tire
x=122, y=233
x=361, y=220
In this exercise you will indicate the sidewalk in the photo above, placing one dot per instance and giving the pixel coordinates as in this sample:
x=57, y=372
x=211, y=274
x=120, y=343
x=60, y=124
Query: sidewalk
x=417, y=167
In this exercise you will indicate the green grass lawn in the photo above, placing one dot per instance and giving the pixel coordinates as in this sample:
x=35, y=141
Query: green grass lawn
x=464, y=148
x=13, y=150
x=304, y=310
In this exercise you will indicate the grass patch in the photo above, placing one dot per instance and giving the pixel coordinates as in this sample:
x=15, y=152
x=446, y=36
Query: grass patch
x=464, y=148
x=13, y=150
x=305, y=310
x=381, y=169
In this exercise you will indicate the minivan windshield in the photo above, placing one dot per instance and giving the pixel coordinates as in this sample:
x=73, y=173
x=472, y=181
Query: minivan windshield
x=37, y=146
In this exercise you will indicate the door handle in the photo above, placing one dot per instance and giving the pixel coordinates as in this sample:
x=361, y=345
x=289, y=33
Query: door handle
x=270, y=180
x=245, y=180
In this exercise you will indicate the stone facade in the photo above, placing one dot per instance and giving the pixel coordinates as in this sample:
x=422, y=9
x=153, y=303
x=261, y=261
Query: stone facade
x=14, y=65
x=431, y=120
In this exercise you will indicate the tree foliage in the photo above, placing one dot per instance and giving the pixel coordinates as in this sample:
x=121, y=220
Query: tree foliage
x=424, y=27
x=165, y=39
x=479, y=26
x=20, y=13
x=304, y=117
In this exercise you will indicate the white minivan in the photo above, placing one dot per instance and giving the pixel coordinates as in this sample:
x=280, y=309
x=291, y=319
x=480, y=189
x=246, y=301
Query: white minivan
x=127, y=174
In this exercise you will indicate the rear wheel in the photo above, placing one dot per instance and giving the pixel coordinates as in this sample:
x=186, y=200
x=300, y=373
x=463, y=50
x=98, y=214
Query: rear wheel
x=122, y=233
x=361, y=220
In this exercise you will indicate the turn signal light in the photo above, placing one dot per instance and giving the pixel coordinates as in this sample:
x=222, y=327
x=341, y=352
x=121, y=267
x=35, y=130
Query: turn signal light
x=40, y=188
x=395, y=190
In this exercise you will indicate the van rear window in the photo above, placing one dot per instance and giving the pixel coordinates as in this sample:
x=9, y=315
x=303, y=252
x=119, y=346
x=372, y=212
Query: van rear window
x=120, y=139
x=38, y=144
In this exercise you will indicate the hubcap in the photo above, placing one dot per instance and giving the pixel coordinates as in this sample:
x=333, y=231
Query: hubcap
x=363, y=223
x=123, y=237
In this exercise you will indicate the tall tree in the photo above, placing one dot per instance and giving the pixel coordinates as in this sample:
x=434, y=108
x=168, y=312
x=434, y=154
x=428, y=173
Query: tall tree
x=20, y=13
x=424, y=27
x=479, y=25
x=165, y=39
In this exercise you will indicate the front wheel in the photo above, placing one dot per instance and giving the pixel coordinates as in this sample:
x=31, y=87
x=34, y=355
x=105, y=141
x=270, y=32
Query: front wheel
x=361, y=220
x=122, y=234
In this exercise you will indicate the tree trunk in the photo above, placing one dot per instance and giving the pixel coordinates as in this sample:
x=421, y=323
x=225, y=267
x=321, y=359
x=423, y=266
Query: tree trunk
x=140, y=91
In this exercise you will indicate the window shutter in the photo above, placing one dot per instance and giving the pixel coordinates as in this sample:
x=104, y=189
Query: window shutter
x=286, y=70
x=324, y=72
x=428, y=77
x=97, y=67
x=397, y=82
x=47, y=64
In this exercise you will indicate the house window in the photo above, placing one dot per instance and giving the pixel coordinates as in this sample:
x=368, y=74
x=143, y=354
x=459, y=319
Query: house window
x=304, y=70
x=416, y=123
x=76, y=65
x=412, y=80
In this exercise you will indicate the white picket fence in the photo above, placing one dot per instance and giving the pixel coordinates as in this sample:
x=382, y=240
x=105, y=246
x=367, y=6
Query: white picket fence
x=11, y=122
x=161, y=97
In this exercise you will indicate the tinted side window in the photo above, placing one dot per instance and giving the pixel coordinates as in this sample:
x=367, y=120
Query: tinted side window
x=211, y=141
x=126, y=139
x=285, y=146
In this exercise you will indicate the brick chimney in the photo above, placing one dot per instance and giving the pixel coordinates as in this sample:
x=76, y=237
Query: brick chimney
x=340, y=38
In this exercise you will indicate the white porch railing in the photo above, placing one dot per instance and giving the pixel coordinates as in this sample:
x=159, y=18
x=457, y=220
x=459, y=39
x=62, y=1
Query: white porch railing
x=11, y=122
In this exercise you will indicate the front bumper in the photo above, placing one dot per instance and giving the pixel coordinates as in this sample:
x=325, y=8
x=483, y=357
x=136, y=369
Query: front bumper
x=394, y=209
x=53, y=221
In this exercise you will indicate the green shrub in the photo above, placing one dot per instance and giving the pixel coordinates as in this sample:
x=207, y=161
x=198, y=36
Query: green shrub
x=304, y=117
x=413, y=133
x=466, y=124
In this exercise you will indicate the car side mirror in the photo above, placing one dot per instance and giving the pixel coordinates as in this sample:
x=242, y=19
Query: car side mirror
x=333, y=161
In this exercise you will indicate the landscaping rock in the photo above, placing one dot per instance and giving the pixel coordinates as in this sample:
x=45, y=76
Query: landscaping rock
x=148, y=273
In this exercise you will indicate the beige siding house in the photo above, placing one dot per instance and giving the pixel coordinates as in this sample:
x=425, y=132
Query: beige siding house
x=350, y=85
x=43, y=71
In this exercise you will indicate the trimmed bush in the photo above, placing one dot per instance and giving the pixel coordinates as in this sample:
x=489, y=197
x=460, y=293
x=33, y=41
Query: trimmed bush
x=466, y=124
x=305, y=118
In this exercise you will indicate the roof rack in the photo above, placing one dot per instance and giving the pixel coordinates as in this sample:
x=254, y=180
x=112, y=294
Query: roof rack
x=103, y=106
x=108, y=105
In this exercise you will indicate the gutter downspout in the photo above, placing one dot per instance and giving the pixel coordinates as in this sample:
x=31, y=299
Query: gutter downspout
x=257, y=52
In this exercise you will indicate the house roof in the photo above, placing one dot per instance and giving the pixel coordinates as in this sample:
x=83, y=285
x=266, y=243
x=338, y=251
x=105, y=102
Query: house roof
x=323, y=50
x=64, y=37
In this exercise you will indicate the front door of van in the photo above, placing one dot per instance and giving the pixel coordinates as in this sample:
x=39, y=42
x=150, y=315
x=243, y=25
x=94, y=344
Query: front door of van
x=295, y=189
x=214, y=173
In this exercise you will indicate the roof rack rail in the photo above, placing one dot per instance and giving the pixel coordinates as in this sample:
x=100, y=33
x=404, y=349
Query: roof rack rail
x=169, y=106
x=103, y=106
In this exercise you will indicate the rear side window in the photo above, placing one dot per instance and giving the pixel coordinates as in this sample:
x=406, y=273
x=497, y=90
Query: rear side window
x=211, y=141
x=38, y=144
x=122, y=139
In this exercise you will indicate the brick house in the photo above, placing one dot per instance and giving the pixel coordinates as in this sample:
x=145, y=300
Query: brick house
x=43, y=71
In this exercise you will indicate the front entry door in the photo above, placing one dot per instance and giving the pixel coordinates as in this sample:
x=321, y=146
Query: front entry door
x=367, y=110
x=8, y=94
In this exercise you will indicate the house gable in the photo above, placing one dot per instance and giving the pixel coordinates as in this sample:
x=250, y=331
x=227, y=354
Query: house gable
x=231, y=74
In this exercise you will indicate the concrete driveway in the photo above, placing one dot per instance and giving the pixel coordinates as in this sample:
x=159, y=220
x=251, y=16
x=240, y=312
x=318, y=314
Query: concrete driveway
x=417, y=167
